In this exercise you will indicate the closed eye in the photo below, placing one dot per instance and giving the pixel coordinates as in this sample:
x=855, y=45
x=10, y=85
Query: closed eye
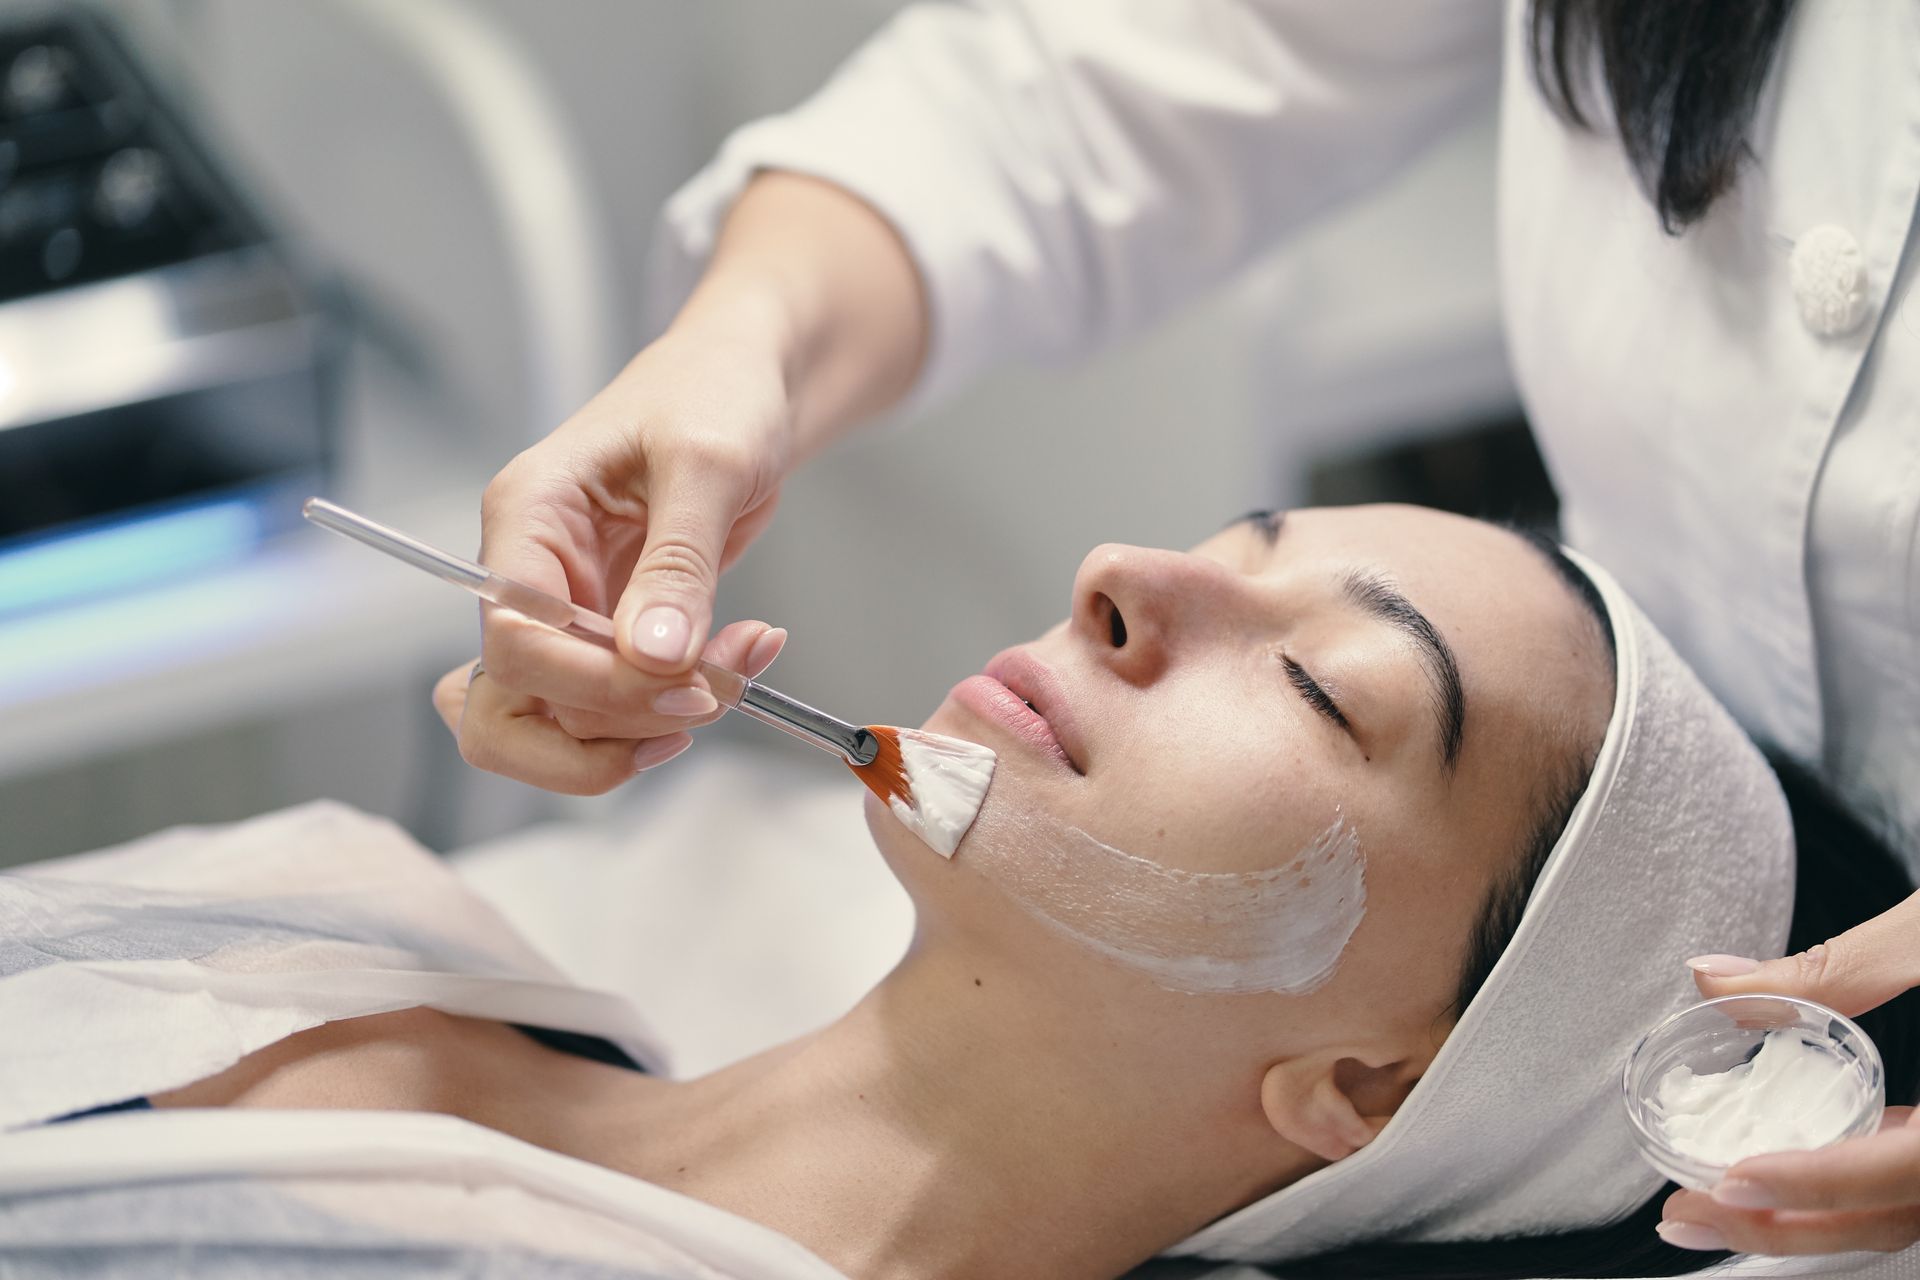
x=1316, y=697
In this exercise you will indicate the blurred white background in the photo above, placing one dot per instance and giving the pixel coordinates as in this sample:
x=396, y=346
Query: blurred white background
x=900, y=561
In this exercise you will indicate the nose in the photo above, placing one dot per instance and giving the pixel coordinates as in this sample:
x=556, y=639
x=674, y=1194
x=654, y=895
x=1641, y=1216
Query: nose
x=1139, y=607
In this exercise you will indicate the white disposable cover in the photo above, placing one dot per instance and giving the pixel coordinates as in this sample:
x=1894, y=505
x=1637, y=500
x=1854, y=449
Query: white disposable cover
x=140, y=969
x=221, y=1194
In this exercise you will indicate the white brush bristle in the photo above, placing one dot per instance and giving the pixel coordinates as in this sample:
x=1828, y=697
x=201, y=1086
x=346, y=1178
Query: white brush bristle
x=948, y=778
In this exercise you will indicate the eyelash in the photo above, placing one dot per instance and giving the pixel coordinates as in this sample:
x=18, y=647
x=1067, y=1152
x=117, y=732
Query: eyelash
x=1316, y=696
x=1266, y=523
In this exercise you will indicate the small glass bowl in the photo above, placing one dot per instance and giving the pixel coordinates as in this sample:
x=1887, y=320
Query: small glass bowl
x=1716, y=1035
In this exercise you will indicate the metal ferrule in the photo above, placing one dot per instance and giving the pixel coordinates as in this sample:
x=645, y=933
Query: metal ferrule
x=855, y=744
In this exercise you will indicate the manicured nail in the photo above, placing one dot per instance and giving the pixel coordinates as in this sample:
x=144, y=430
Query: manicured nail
x=684, y=701
x=1690, y=1235
x=1717, y=966
x=662, y=632
x=765, y=650
x=657, y=751
x=1745, y=1193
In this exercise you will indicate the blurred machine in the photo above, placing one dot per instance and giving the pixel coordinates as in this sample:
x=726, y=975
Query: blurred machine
x=164, y=362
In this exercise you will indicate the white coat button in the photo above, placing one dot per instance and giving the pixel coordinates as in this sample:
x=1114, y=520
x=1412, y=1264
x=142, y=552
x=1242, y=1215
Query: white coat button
x=1829, y=281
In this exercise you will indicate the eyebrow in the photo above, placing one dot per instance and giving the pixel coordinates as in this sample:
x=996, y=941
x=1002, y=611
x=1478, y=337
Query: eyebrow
x=1376, y=595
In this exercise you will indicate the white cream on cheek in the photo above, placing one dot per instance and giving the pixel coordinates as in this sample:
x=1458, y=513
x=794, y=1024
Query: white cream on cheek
x=949, y=779
x=1199, y=933
x=1793, y=1095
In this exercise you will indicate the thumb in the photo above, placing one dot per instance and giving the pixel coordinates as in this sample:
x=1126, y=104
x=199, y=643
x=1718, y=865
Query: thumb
x=664, y=614
x=1861, y=969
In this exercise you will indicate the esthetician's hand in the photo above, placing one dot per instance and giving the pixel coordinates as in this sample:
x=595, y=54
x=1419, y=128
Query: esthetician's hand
x=563, y=749
x=809, y=318
x=633, y=508
x=1860, y=1194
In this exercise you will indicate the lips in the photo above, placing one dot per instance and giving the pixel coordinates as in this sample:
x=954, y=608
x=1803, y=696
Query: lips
x=1023, y=694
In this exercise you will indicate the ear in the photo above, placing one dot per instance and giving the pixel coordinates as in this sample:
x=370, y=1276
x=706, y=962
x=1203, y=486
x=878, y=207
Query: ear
x=1335, y=1103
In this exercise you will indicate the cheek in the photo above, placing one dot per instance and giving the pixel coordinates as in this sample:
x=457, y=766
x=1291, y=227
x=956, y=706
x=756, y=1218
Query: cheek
x=1217, y=853
x=1281, y=929
x=1405, y=958
x=1223, y=773
x=1220, y=807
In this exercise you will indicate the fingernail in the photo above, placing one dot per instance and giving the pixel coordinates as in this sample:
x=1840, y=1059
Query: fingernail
x=765, y=650
x=657, y=751
x=662, y=633
x=684, y=701
x=1718, y=966
x=1744, y=1193
x=1690, y=1235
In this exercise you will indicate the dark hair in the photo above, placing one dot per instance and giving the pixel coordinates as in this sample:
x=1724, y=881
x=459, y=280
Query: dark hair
x=1844, y=874
x=1683, y=78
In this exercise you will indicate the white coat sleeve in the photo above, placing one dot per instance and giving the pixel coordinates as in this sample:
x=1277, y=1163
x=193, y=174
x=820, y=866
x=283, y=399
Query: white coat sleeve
x=1066, y=171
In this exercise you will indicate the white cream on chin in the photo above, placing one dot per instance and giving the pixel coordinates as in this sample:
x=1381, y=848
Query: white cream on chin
x=1793, y=1095
x=949, y=778
x=1195, y=932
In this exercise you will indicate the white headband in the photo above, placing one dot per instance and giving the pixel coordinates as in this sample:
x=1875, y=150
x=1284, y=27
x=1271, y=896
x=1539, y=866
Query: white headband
x=1681, y=844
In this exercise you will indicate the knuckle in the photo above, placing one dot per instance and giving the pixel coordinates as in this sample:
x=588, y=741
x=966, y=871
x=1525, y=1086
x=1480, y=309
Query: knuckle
x=712, y=452
x=497, y=629
x=628, y=700
x=583, y=725
x=1824, y=965
x=501, y=491
x=477, y=749
x=1762, y=1235
x=506, y=660
x=597, y=777
x=494, y=497
x=675, y=561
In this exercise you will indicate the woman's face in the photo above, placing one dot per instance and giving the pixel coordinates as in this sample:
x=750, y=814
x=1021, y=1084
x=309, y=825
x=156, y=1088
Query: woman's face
x=1397, y=677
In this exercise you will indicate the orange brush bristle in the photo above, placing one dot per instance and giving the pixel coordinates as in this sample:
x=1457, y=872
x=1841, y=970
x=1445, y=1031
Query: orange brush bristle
x=886, y=774
x=932, y=783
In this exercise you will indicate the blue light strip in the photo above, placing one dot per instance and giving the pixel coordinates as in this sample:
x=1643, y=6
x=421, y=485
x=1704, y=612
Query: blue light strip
x=117, y=557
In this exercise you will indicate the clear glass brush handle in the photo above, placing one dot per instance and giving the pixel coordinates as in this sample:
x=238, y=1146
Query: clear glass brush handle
x=848, y=741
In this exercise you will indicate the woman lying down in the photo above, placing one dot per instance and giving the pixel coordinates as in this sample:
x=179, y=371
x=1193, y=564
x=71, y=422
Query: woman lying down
x=1310, y=917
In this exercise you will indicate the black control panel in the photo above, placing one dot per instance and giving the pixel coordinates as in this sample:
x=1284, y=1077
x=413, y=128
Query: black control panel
x=160, y=345
x=97, y=179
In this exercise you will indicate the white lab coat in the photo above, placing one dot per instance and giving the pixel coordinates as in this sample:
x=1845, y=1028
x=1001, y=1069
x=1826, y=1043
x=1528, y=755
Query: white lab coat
x=1731, y=425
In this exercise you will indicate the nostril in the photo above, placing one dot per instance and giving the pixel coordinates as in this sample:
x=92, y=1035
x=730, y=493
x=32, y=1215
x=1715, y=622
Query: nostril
x=1116, y=625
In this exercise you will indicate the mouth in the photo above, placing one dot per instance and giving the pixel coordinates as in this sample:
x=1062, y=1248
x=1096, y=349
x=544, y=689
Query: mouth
x=1022, y=694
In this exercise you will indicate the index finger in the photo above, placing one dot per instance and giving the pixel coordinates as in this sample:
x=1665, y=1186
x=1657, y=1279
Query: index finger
x=1852, y=972
x=520, y=537
x=1879, y=1171
x=533, y=659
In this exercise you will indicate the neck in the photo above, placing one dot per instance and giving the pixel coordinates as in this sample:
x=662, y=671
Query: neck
x=950, y=1124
